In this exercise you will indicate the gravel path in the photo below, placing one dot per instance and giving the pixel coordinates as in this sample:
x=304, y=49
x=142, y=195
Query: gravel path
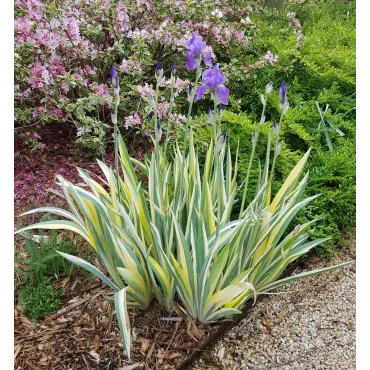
x=312, y=326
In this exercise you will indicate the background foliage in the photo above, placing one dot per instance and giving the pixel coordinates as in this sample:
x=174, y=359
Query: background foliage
x=63, y=54
x=322, y=69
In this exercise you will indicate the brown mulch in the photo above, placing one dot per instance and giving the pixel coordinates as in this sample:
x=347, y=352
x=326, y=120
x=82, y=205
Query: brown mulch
x=84, y=334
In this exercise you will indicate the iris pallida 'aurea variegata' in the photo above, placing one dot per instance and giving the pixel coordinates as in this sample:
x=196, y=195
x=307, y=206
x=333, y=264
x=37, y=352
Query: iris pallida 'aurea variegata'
x=178, y=239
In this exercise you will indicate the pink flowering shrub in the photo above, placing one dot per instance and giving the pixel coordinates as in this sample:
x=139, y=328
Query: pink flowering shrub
x=297, y=28
x=64, y=51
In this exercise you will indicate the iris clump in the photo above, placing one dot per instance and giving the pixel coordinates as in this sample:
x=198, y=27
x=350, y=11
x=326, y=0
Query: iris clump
x=177, y=240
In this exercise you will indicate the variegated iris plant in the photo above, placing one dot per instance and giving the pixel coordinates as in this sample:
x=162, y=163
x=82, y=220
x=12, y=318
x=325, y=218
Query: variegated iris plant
x=175, y=238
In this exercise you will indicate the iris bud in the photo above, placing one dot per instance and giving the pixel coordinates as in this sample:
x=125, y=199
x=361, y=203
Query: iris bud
x=221, y=141
x=282, y=93
x=269, y=87
x=159, y=132
x=254, y=139
x=278, y=148
x=263, y=100
x=113, y=117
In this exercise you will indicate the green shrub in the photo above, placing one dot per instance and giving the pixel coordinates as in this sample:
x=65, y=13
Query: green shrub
x=323, y=70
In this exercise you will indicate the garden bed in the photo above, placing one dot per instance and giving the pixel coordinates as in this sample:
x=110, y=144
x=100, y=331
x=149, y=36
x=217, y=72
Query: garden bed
x=85, y=334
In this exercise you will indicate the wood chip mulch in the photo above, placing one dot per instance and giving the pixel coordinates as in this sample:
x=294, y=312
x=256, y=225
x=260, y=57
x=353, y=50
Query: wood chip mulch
x=84, y=334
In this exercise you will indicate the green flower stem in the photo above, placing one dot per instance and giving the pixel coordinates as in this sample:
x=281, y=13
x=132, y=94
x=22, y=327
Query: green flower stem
x=217, y=169
x=116, y=103
x=197, y=76
x=156, y=108
x=254, y=145
x=170, y=113
x=215, y=126
x=275, y=152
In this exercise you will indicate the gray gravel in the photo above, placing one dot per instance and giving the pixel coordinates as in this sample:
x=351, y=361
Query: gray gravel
x=311, y=326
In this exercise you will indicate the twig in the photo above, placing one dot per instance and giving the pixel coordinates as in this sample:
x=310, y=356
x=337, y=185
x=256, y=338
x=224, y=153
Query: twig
x=248, y=320
x=267, y=356
x=70, y=307
x=110, y=320
x=171, y=318
x=53, y=354
x=85, y=361
x=173, y=336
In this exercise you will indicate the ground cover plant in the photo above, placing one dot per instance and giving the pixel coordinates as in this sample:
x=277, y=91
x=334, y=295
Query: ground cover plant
x=174, y=236
x=38, y=266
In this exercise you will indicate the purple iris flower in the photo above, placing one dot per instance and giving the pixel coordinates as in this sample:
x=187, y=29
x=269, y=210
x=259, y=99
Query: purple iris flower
x=213, y=80
x=282, y=93
x=114, y=77
x=196, y=48
x=284, y=104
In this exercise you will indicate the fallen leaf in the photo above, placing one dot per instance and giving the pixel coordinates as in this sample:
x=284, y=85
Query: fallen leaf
x=95, y=355
x=174, y=355
x=133, y=366
x=96, y=342
x=144, y=344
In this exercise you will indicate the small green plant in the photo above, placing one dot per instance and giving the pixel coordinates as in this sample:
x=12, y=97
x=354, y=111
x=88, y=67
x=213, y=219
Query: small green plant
x=40, y=299
x=39, y=260
x=324, y=122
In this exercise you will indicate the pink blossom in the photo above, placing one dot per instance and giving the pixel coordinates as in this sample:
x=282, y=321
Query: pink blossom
x=65, y=87
x=133, y=120
x=270, y=57
x=145, y=91
x=58, y=112
x=39, y=76
x=101, y=90
x=125, y=66
x=90, y=70
x=72, y=29
x=36, y=113
x=162, y=110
